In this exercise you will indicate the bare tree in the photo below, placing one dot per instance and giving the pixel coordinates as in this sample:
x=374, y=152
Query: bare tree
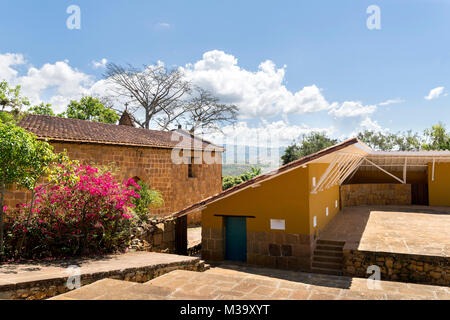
x=153, y=91
x=205, y=111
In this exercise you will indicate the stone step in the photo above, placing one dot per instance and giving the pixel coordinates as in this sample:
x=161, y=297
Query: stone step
x=326, y=271
x=327, y=265
x=328, y=247
x=319, y=258
x=328, y=253
x=331, y=242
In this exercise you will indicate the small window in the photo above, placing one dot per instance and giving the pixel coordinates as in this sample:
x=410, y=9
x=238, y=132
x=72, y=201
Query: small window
x=191, y=168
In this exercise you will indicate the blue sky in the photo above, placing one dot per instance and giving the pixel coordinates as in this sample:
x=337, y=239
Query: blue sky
x=323, y=46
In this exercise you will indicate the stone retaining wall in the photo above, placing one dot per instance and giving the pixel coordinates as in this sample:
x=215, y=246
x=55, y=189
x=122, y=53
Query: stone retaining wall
x=156, y=236
x=375, y=194
x=43, y=289
x=399, y=267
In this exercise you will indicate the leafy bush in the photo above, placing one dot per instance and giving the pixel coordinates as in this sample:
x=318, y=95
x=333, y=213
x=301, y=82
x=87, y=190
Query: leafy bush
x=231, y=181
x=80, y=212
x=148, y=198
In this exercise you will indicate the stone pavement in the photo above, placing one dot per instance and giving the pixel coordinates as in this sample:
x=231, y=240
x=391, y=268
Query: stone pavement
x=46, y=278
x=227, y=282
x=397, y=229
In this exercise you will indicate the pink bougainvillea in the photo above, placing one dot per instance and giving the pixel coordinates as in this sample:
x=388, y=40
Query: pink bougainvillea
x=82, y=212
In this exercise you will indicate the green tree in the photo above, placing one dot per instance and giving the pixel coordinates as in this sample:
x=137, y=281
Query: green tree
x=231, y=181
x=149, y=198
x=22, y=159
x=89, y=108
x=377, y=140
x=43, y=109
x=436, y=138
x=311, y=143
x=11, y=98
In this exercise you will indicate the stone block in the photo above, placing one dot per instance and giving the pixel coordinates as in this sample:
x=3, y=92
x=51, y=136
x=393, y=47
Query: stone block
x=274, y=250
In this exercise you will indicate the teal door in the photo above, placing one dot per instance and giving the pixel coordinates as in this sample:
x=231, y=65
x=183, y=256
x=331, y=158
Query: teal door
x=236, y=238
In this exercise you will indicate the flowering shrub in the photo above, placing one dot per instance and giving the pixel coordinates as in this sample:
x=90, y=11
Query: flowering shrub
x=82, y=211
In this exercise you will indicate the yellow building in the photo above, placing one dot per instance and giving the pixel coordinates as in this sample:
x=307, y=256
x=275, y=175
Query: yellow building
x=276, y=219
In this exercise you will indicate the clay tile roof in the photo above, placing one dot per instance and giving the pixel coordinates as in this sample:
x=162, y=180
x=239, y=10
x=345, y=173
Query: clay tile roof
x=294, y=164
x=74, y=130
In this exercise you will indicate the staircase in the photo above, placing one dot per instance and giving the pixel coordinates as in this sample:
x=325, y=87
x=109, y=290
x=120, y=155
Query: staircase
x=328, y=257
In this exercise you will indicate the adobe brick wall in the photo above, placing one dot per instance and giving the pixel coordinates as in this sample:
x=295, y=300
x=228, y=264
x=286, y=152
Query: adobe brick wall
x=375, y=194
x=268, y=249
x=152, y=165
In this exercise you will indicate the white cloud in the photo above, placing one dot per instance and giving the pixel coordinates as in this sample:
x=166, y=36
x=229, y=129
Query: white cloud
x=257, y=94
x=99, y=64
x=352, y=109
x=7, y=61
x=435, y=93
x=56, y=83
x=391, y=101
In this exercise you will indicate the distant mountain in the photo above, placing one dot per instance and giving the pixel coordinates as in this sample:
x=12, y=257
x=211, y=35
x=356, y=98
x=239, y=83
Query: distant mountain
x=239, y=159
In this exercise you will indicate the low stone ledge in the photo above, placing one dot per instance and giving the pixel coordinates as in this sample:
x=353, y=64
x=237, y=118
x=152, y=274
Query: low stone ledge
x=47, y=288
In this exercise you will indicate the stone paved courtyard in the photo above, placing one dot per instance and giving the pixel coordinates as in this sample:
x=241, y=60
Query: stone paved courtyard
x=226, y=282
x=398, y=229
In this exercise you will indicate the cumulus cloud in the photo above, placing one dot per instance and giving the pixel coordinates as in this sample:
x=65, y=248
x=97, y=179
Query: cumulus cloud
x=99, y=64
x=435, y=93
x=7, y=61
x=257, y=94
x=58, y=83
x=352, y=109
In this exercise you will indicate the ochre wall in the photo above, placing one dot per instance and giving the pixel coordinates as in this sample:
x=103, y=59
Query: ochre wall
x=152, y=165
x=320, y=201
x=439, y=189
x=283, y=197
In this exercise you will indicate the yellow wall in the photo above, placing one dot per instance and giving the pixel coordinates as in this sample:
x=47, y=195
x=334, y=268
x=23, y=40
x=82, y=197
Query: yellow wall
x=439, y=189
x=320, y=201
x=283, y=197
x=287, y=197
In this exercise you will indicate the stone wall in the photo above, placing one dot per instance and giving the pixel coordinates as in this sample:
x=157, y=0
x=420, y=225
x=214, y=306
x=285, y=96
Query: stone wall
x=156, y=236
x=152, y=165
x=43, y=289
x=375, y=194
x=268, y=249
x=399, y=267
x=280, y=250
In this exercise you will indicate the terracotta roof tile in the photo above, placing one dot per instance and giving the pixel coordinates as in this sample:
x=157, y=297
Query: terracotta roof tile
x=74, y=130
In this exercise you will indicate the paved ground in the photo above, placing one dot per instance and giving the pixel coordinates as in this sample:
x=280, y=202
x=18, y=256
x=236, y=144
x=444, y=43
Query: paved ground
x=410, y=230
x=194, y=236
x=46, y=270
x=243, y=282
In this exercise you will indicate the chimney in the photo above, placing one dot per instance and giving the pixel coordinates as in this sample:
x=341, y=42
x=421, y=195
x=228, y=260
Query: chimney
x=126, y=119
